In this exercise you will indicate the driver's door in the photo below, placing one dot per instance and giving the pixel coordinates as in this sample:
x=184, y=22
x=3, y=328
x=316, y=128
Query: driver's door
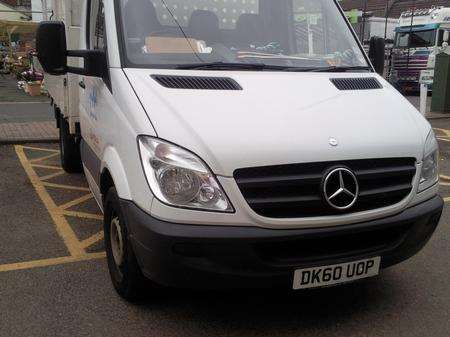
x=96, y=100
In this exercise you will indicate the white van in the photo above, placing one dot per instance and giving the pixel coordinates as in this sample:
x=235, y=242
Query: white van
x=247, y=143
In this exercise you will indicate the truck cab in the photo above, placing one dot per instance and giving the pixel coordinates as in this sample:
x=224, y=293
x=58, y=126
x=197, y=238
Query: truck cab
x=442, y=45
x=244, y=144
x=419, y=38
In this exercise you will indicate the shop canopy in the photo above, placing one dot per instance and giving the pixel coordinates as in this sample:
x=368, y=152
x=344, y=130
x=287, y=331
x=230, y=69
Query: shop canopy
x=9, y=28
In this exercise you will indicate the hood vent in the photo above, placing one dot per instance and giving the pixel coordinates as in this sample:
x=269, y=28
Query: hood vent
x=197, y=83
x=369, y=83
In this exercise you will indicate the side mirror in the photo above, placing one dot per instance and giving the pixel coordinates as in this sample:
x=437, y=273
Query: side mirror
x=52, y=53
x=377, y=54
x=446, y=39
x=51, y=47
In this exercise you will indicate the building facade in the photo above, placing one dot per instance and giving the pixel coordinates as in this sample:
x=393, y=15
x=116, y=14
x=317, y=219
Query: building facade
x=12, y=10
x=20, y=4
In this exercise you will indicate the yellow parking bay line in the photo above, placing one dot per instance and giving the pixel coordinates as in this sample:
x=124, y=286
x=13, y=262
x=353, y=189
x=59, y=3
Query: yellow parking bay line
x=93, y=239
x=446, y=132
x=65, y=187
x=40, y=149
x=50, y=262
x=41, y=159
x=83, y=215
x=76, y=201
x=50, y=167
x=62, y=226
x=443, y=139
x=50, y=176
x=57, y=213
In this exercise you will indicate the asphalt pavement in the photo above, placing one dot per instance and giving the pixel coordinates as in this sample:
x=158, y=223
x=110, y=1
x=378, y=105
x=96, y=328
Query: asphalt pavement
x=54, y=279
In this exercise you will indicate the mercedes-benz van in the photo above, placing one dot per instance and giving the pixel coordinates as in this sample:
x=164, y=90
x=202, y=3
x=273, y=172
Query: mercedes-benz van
x=241, y=144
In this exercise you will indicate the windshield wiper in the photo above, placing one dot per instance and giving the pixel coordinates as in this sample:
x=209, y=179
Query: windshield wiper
x=262, y=67
x=230, y=66
x=338, y=69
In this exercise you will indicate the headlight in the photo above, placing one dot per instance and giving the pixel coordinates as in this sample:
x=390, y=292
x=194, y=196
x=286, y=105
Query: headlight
x=179, y=178
x=430, y=164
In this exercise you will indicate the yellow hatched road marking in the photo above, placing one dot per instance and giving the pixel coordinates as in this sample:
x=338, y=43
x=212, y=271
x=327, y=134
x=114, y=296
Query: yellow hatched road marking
x=76, y=201
x=50, y=167
x=65, y=187
x=93, y=239
x=62, y=226
x=50, y=176
x=83, y=215
x=40, y=149
x=41, y=159
x=444, y=131
x=57, y=213
x=50, y=262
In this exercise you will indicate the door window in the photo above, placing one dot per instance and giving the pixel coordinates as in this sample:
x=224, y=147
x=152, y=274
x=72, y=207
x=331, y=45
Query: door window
x=440, y=38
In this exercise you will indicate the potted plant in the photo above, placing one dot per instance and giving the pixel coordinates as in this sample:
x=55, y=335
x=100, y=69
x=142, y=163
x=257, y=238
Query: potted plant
x=33, y=80
x=34, y=88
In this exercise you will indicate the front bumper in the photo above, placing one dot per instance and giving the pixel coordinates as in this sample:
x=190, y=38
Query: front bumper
x=211, y=257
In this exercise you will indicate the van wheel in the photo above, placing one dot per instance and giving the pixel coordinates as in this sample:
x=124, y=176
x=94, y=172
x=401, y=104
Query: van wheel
x=70, y=149
x=126, y=275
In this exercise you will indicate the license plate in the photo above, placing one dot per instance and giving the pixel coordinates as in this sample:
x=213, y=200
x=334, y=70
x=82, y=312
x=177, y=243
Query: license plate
x=339, y=273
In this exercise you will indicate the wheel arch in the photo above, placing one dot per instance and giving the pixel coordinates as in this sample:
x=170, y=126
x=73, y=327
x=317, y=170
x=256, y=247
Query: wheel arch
x=113, y=174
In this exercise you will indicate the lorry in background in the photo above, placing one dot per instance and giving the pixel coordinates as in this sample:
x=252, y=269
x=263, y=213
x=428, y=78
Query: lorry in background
x=419, y=38
x=240, y=143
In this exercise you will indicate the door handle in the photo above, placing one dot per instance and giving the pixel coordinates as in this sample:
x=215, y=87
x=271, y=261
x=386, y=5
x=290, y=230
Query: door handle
x=82, y=84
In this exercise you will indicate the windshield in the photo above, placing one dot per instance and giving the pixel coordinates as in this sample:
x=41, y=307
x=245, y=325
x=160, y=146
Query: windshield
x=285, y=33
x=422, y=39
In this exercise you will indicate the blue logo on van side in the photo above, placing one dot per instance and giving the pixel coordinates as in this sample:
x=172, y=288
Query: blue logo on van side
x=93, y=104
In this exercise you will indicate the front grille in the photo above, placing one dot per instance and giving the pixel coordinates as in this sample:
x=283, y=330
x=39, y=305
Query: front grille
x=413, y=63
x=197, y=82
x=294, y=191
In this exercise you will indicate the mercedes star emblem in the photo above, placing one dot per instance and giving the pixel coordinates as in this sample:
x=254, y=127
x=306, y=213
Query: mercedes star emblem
x=333, y=142
x=340, y=188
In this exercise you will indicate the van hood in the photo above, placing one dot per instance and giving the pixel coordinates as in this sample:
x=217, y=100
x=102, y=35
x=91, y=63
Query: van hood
x=281, y=118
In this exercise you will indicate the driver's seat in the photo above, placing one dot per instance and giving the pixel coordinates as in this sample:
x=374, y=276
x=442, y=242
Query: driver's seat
x=140, y=19
x=250, y=30
x=204, y=25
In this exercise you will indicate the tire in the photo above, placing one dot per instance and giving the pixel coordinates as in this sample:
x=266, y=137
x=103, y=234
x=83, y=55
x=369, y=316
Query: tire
x=70, y=149
x=126, y=275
